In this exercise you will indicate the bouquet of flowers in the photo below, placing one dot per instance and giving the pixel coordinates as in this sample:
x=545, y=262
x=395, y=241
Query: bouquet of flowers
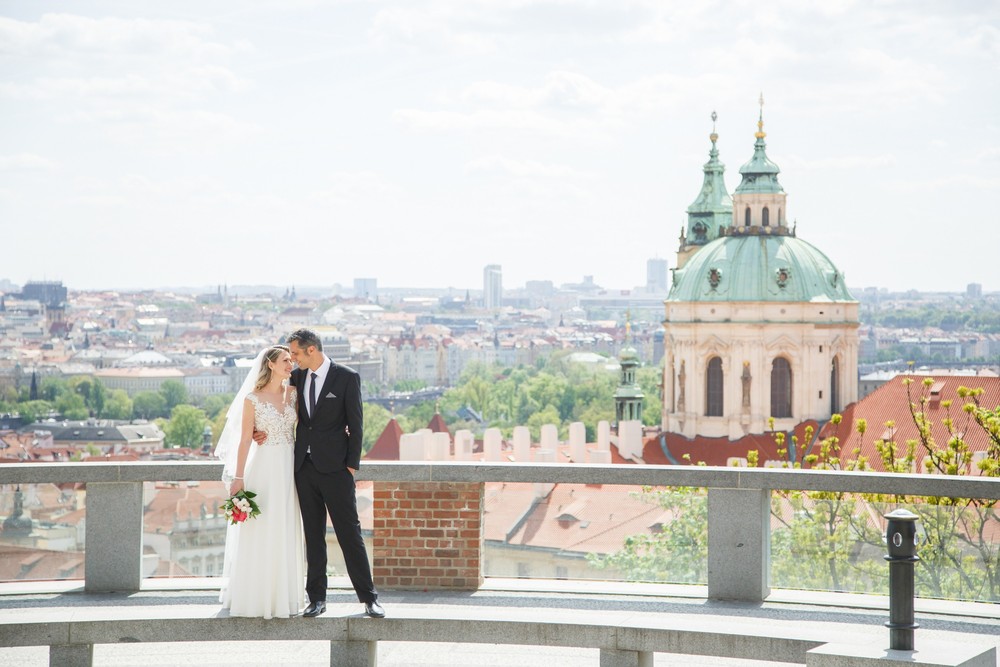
x=240, y=507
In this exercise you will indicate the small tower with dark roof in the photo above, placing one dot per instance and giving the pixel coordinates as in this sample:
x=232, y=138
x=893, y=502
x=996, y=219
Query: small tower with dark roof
x=628, y=395
x=17, y=525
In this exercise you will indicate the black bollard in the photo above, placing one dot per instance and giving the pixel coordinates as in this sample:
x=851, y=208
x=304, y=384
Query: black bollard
x=901, y=539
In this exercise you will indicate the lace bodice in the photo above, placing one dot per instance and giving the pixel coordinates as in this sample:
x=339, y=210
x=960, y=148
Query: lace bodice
x=279, y=426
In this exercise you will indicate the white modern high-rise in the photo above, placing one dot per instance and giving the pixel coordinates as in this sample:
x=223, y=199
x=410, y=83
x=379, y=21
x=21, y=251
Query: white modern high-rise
x=492, y=287
x=366, y=288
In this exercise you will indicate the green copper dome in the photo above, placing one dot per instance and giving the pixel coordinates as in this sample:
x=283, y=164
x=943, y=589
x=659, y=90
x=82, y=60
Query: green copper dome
x=759, y=268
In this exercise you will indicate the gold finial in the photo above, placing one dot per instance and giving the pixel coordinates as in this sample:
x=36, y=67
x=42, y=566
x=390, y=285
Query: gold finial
x=760, y=133
x=628, y=324
x=714, y=137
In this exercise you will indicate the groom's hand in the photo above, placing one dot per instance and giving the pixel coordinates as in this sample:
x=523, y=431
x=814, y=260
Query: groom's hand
x=351, y=470
x=259, y=436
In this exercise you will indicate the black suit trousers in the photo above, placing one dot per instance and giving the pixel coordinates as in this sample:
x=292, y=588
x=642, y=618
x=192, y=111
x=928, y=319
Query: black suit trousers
x=332, y=492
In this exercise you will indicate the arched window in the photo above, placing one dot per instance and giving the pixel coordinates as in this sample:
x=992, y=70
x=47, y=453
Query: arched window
x=835, y=386
x=781, y=388
x=746, y=217
x=713, y=388
x=765, y=217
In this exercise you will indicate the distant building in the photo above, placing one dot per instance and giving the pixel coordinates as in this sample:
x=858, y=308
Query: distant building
x=50, y=293
x=366, y=288
x=139, y=379
x=759, y=324
x=974, y=291
x=656, y=276
x=492, y=287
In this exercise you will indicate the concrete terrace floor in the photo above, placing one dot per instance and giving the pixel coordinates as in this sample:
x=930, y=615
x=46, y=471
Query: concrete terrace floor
x=853, y=618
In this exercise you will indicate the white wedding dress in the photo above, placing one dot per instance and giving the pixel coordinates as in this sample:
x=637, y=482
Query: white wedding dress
x=264, y=556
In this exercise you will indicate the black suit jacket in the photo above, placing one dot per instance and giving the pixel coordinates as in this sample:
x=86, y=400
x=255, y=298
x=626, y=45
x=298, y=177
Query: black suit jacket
x=333, y=433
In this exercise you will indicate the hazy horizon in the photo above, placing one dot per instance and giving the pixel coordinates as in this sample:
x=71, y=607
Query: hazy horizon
x=308, y=143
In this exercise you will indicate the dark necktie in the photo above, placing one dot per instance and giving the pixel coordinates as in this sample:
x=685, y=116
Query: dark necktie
x=312, y=396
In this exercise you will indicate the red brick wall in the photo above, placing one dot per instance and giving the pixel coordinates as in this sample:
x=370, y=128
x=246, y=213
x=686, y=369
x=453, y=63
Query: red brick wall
x=428, y=535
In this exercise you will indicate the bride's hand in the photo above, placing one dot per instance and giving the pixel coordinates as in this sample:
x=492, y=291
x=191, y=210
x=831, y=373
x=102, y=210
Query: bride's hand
x=235, y=487
x=259, y=436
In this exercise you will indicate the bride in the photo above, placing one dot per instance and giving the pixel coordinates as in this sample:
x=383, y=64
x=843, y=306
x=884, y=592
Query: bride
x=262, y=575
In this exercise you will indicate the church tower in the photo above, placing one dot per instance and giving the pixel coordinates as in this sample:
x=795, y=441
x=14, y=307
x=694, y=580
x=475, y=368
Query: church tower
x=712, y=210
x=628, y=395
x=759, y=323
x=759, y=200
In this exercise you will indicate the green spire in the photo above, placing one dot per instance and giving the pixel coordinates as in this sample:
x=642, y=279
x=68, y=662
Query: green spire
x=713, y=208
x=760, y=175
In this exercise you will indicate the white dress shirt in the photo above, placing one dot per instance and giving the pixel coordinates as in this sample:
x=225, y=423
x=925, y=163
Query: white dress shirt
x=320, y=379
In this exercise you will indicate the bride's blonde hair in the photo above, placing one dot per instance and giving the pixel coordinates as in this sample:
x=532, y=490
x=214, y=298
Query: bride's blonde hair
x=270, y=356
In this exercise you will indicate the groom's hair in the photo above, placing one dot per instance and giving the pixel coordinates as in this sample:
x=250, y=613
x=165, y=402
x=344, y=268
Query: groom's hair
x=305, y=338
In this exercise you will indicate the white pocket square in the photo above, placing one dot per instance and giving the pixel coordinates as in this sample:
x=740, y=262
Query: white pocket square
x=330, y=395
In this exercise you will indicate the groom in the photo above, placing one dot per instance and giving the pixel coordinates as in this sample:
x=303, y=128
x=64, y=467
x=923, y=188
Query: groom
x=327, y=454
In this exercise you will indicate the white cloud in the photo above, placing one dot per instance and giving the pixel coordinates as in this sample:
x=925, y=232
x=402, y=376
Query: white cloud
x=354, y=189
x=25, y=162
x=839, y=162
x=426, y=29
x=525, y=168
x=188, y=82
x=163, y=130
x=68, y=35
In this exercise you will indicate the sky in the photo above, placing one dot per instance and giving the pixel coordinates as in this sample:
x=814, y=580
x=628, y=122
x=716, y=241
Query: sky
x=297, y=142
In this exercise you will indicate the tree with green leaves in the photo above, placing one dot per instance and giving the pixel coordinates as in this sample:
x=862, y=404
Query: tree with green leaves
x=72, y=406
x=216, y=403
x=186, y=426
x=149, y=405
x=375, y=420
x=118, y=405
x=92, y=390
x=174, y=393
x=677, y=553
x=31, y=411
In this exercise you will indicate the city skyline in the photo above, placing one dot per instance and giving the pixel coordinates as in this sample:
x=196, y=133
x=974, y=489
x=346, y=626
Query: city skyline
x=167, y=145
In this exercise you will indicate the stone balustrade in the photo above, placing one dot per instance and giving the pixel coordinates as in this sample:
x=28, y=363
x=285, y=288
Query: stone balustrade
x=448, y=551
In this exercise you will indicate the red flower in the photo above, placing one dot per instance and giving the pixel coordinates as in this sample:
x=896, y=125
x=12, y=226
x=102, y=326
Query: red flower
x=239, y=516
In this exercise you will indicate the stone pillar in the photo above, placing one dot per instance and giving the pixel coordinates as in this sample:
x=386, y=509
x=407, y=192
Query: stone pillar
x=71, y=655
x=493, y=444
x=428, y=535
x=411, y=447
x=360, y=653
x=578, y=442
x=440, y=447
x=522, y=444
x=113, y=558
x=619, y=658
x=600, y=456
x=603, y=436
x=549, y=437
x=464, y=444
x=739, y=544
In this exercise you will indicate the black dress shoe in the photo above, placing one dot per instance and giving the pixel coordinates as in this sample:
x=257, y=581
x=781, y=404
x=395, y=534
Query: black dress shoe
x=315, y=609
x=374, y=609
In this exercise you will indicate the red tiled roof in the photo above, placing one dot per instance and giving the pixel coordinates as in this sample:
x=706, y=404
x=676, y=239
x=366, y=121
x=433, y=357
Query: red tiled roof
x=582, y=518
x=178, y=502
x=21, y=563
x=437, y=425
x=386, y=448
x=890, y=403
x=710, y=451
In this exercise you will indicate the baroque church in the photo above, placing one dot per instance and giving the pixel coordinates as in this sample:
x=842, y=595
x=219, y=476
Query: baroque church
x=759, y=323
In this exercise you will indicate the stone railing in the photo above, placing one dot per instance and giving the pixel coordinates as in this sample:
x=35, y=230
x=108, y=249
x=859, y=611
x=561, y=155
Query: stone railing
x=428, y=516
